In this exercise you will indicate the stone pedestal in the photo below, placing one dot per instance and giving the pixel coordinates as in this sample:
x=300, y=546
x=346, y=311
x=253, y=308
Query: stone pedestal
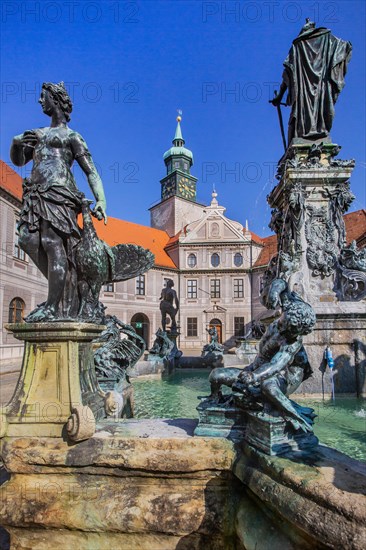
x=220, y=420
x=266, y=431
x=345, y=332
x=174, y=355
x=57, y=393
x=308, y=205
x=270, y=434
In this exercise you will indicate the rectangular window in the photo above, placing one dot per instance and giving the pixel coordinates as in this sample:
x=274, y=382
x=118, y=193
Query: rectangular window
x=109, y=287
x=18, y=252
x=192, y=288
x=238, y=288
x=239, y=326
x=215, y=288
x=140, y=285
x=192, y=326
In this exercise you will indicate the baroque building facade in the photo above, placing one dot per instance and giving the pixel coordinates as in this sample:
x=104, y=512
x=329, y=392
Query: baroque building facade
x=216, y=264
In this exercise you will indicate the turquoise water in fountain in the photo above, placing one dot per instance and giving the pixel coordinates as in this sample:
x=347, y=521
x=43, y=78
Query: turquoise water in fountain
x=340, y=424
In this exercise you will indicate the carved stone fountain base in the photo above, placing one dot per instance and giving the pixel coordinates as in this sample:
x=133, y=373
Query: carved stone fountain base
x=149, y=484
x=57, y=393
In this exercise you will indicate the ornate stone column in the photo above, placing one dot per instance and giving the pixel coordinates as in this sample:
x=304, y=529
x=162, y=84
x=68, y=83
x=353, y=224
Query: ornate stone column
x=57, y=393
x=307, y=214
x=308, y=205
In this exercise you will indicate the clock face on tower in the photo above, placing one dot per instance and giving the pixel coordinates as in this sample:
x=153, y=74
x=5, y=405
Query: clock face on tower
x=186, y=188
x=168, y=188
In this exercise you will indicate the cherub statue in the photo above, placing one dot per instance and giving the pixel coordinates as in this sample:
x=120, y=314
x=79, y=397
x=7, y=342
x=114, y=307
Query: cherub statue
x=281, y=364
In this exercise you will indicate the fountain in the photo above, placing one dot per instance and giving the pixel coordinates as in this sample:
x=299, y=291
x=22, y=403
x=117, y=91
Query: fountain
x=81, y=476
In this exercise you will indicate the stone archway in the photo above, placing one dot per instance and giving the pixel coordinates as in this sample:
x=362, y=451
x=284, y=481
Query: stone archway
x=141, y=324
x=218, y=324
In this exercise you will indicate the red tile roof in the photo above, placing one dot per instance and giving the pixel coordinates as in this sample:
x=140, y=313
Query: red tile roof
x=10, y=181
x=119, y=231
x=175, y=238
x=269, y=250
x=355, y=225
x=256, y=238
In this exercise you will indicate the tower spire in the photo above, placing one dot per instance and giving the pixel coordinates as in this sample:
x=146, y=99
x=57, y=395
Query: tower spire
x=178, y=160
x=178, y=140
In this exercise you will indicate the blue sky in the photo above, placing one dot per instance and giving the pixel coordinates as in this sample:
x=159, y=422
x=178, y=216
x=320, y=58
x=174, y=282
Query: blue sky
x=130, y=65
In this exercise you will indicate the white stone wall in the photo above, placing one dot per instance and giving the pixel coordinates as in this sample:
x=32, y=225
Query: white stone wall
x=18, y=279
x=22, y=279
x=174, y=214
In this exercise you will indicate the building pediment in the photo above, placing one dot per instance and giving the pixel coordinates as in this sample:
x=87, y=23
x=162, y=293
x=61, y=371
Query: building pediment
x=214, y=226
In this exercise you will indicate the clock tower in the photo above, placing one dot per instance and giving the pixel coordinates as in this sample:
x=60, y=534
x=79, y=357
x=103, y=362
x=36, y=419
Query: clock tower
x=178, y=161
x=178, y=205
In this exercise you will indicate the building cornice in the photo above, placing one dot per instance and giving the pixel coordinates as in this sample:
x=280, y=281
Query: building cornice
x=10, y=198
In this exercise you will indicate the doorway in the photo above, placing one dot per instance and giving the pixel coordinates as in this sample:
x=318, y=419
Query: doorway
x=217, y=323
x=141, y=324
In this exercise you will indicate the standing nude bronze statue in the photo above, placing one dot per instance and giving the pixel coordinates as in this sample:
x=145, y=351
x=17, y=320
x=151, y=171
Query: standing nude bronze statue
x=48, y=230
x=169, y=297
x=281, y=364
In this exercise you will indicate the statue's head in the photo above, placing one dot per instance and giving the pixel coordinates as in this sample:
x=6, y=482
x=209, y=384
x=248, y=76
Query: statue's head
x=297, y=319
x=308, y=26
x=55, y=95
x=170, y=283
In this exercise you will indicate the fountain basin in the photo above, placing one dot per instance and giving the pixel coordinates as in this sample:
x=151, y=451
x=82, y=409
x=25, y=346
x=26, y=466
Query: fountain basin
x=151, y=484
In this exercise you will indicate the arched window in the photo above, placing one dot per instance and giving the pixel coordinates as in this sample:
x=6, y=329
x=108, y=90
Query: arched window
x=215, y=260
x=238, y=259
x=141, y=324
x=192, y=260
x=16, y=310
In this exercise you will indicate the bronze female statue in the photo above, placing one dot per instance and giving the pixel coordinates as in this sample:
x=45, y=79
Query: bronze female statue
x=48, y=230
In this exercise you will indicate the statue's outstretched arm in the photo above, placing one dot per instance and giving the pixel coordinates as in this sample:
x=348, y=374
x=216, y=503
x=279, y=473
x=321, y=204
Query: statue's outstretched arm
x=176, y=302
x=85, y=161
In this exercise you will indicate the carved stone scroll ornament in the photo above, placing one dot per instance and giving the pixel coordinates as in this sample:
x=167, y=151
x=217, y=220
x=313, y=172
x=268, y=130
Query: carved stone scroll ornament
x=81, y=423
x=352, y=273
x=321, y=253
x=352, y=284
x=353, y=258
x=340, y=199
